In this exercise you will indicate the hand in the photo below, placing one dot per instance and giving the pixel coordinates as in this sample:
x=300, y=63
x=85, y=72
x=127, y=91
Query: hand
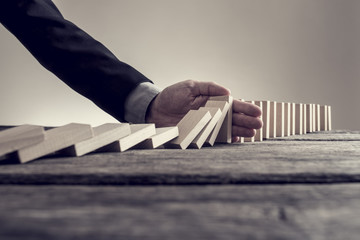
x=171, y=105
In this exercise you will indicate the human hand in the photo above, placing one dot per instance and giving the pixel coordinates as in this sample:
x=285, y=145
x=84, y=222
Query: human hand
x=171, y=105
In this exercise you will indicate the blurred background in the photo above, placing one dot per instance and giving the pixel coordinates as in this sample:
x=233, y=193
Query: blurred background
x=303, y=51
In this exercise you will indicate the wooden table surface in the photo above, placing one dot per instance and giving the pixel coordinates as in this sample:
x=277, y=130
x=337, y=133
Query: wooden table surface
x=300, y=187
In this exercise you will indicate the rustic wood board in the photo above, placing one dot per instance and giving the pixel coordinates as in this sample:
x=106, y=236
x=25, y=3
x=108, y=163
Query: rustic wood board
x=265, y=162
x=272, y=212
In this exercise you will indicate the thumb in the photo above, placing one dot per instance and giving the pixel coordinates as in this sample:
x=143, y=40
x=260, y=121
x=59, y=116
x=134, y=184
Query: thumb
x=211, y=89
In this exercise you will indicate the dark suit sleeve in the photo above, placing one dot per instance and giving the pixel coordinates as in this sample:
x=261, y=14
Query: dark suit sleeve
x=72, y=55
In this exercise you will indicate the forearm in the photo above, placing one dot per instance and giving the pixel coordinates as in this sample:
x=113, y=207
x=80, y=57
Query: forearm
x=76, y=58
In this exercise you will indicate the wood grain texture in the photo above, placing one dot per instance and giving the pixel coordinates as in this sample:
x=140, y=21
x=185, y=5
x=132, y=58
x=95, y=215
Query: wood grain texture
x=56, y=139
x=189, y=127
x=200, y=139
x=15, y=138
x=328, y=158
x=162, y=136
x=103, y=135
x=225, y=134
x=268, y=212
x=224, y=107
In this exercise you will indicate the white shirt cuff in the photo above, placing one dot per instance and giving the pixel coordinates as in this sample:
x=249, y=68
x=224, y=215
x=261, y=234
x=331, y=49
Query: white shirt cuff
x=138, y=101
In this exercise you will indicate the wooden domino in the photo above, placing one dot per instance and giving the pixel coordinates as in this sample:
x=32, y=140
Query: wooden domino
x=205, y=133
x=266, y=119
x=287, y=119
x=19, y=137
x=304, y=119
x=161, y=137
x=250, y=139
x=224, y=107
x=323, y=118
x=329, y=118
x=280, y=119
x=272, y=128
x=189, y=127
x=56, y=139
x=309, y=117
x=259, y=132
x=225, y=134
x=317, y=117
x=103, y=135
x=292, y=118
x=139, y=133
x=298, y=118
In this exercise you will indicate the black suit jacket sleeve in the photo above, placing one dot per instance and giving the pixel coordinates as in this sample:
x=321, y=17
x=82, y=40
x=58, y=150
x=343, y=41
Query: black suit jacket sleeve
x=76, y=58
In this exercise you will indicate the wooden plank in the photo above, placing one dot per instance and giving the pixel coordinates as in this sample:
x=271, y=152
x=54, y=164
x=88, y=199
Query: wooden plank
x=273, y=161
x=272, y=212
x=298, y=118
x=287, y=119
x=266, y=119
x=200, y=139
x=189, y=127
x=225, y=134
x=259, y=132
x=280, y=119
x=323, y=118
x=139, y=133
x=272, y=129
x=329, y=118
x=309, y=117
x=317, y=117
x=19, y=137
x=292, y=119
x=162, y=136
x=224, y=107
x=103, y=135
x=56, y=139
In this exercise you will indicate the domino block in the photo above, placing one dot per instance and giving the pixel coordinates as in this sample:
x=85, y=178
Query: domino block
x=298, y=118
x=161, y=137
x=304, y=119
x=19, y=137
x=205, y=133
x=103, y=135
x=287, y=119
x=309, y=117
x=323, y=118
x=266, y=119
x=317, y=117
x=56, y=139
x=259, y=132
x=329, y=118
x=189, y=127
x=225, y=134
x=292, y=119
x=224, y=107
x=272, y=129
x=249, y=139
x=139, y=133
x=314, y=126
x=280, y=119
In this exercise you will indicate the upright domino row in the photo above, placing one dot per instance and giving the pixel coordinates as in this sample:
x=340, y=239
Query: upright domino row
x=205, y=126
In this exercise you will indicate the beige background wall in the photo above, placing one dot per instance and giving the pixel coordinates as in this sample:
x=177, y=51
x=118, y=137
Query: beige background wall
x=286, y=50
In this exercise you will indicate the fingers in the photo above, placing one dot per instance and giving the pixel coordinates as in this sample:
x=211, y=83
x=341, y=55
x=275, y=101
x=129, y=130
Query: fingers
x=242, y=132
x=210, y=89
x=245, y=121
x=246, y=108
